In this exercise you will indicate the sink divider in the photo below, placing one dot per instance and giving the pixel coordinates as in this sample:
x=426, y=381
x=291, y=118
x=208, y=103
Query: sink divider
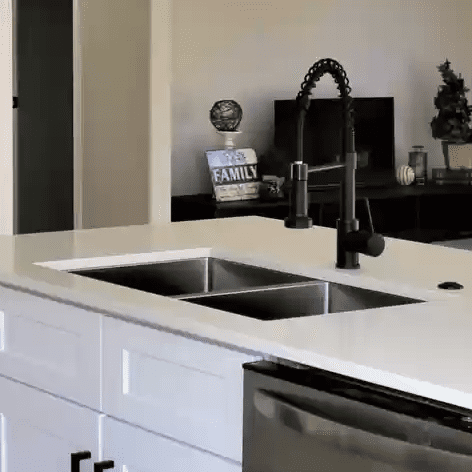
x=262, y=288
x=207, y=276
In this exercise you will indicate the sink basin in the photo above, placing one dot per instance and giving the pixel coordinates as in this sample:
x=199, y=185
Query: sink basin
x=191, y=276
x=304, y=299
x=243, y=289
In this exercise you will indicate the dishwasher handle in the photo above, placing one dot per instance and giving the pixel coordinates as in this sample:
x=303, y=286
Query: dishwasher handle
x=358, y=441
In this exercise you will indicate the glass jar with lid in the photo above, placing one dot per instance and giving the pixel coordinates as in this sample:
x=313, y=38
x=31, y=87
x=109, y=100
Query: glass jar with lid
x=418, y=161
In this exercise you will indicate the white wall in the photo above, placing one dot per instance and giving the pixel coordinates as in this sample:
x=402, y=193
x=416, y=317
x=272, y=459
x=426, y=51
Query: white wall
x=258, y=51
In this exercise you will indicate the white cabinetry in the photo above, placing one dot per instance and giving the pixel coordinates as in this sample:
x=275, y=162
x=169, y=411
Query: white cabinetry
x=135, y=450
x=50, y=345
x=182, y=388
x=182, y=397
x=38, y=432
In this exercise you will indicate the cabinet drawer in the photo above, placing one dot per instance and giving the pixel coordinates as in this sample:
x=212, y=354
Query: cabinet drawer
x=39, y=431
x=176, y=386
x=134, y=450
x=50, y=345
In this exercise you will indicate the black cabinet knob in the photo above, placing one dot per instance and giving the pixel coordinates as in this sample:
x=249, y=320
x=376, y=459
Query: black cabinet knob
x=75, y=459
x=99, y=466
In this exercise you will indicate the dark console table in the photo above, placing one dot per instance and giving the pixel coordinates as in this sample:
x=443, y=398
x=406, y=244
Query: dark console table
x=417, y=213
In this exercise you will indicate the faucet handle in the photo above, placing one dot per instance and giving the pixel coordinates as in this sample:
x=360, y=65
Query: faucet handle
x=366, y=242
x=370, y=244
x=369, y=215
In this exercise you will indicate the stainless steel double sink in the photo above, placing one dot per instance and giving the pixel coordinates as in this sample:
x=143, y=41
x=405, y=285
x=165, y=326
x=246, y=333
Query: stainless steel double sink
x=244, y=289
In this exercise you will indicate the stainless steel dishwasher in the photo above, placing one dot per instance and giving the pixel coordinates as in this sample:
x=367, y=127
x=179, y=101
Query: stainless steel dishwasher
x=303, y=419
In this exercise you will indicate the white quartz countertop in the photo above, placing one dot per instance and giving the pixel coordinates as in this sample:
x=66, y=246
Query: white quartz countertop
x=422, y=348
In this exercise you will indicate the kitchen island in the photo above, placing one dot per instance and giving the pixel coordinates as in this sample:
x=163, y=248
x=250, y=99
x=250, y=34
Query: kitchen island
x=116, y=353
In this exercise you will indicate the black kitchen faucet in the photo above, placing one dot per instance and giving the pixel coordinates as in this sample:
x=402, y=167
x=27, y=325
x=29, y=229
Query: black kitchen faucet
x=350, y=240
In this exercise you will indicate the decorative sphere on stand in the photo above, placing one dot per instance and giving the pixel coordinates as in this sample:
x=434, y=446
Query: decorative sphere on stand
x=226, y=115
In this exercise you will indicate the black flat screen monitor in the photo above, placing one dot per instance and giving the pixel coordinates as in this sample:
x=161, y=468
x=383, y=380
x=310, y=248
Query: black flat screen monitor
x=374, y=138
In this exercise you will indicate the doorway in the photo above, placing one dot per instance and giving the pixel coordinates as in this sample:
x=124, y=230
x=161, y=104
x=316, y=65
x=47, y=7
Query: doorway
x=43, y=141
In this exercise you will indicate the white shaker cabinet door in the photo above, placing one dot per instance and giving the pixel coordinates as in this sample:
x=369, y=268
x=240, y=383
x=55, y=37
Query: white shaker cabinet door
x=50, y=345
x=38, y=432
x=135, y=450
x=180, y=387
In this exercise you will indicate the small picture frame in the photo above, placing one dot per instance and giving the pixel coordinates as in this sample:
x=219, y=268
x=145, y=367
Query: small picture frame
x=234, y=174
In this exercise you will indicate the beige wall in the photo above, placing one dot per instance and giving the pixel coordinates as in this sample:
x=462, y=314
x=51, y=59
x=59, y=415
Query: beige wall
x=115, y=52
x=160, y=111
x=126, y=112
x=6, y=119
x=258, y=51
x=123, y=55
